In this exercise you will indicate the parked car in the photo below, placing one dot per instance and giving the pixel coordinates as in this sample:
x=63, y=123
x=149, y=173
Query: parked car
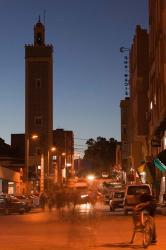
x=35, y=200
x=116, y=199
x=10, y=205
x=28, y=202
x=108, y=188
x=106, y=199
x=132, y=194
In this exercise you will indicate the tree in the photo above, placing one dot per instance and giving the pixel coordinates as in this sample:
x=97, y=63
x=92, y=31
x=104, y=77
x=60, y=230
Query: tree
x=101, y=153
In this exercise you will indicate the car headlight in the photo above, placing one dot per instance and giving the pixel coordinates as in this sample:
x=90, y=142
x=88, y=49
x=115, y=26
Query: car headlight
x=84, y=196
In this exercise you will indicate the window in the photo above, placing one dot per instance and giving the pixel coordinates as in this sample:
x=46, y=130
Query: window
x=38, y=151
x=38, y=121
x=38, y=83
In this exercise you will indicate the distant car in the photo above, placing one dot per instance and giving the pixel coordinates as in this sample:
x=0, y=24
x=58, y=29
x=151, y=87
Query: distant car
x=82, y=194
x=132, y=193
x=105, y=174
x=116, y=200
x=10, y=205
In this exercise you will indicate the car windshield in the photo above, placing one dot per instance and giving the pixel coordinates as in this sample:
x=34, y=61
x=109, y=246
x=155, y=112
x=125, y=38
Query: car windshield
x=82, y=189
x=134, y=190
x=2, y=200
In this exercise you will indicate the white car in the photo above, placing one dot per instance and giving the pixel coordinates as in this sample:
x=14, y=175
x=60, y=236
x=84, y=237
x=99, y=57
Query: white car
x=132, y=193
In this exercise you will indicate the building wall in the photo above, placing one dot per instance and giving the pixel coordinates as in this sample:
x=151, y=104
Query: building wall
x=157, y=75
x=139, y=96
x=64, y=143
x=10, y=178
x=18, y=144
x=125, y=134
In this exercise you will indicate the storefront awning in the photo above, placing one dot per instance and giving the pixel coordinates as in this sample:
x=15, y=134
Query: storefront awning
x=159, y=165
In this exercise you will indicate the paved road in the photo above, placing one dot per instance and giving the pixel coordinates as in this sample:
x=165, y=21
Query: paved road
x=83, y=229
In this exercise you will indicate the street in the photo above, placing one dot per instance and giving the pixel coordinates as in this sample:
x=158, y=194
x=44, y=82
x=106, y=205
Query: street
x=84, y=228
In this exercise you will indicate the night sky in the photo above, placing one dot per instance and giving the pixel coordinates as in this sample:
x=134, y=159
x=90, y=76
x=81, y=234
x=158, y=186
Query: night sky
x=88, y=66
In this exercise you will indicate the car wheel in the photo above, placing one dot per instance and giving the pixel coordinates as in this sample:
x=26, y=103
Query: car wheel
x=125, y=212
x=28, y=209
x=112, y=208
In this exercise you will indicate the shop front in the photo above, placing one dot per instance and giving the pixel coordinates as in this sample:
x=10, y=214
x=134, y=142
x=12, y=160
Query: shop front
x=9, y=181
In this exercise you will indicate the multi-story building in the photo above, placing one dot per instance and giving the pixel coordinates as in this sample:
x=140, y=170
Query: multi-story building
x=11, y=165
x=157, y=87
x=148, y=93
x=157, y=77
x=134, y=126
x=64, y=143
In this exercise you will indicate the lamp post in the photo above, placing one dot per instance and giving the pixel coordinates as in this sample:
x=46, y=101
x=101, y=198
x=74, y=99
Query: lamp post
x=33, y=137
x=49, y=165
x=63, y=167
x=61, y=170
x=42, y=173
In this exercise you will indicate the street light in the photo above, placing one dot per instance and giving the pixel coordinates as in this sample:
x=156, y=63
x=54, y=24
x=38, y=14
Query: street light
x=61, y=171
x=64, y=168
x=49, y=165
x=45, y=172
x=52, y=149
x=32, y=137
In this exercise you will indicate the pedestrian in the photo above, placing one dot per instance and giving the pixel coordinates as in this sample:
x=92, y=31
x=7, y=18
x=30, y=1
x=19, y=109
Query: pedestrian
x=43, y=200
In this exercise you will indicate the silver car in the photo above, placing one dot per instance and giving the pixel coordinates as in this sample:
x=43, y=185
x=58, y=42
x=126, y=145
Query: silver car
x=116, y=199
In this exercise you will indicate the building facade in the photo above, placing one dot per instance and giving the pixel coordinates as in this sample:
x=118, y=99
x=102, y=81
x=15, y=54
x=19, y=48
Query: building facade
x=157, y=77
x=64, y=143
x=11, y=165
x=148, y=95
x=157, y=89
x=139, y=96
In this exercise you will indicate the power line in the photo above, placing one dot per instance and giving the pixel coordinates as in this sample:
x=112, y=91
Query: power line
x=81, y=139
x=80, y=149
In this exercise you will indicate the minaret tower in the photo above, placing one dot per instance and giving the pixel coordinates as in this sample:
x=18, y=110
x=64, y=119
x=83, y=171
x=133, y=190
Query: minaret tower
x=38, y=107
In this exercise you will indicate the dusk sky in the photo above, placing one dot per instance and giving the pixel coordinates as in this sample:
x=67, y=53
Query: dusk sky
x=88, y=66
